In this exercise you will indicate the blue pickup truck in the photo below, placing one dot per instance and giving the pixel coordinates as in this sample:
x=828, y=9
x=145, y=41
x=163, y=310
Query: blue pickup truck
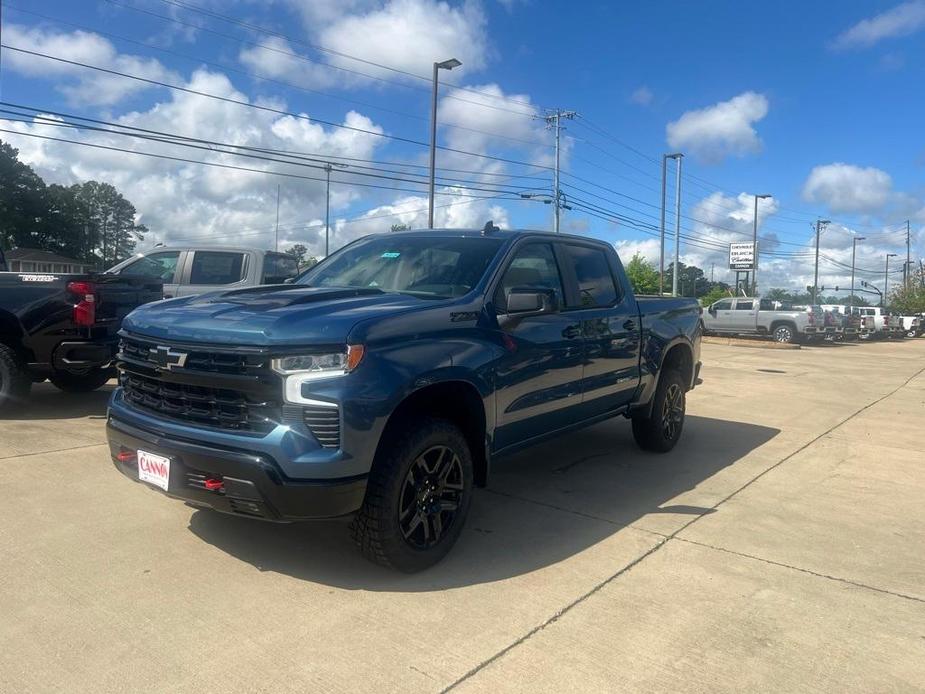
x=388, y=379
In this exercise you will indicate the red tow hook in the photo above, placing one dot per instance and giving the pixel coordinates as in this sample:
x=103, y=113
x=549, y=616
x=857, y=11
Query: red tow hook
x=125, y=456
x=213, y=485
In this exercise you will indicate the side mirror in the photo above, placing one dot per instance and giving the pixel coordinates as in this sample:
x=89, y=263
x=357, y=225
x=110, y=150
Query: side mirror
x=712, y=311
x=289, y=280
x=522, y=301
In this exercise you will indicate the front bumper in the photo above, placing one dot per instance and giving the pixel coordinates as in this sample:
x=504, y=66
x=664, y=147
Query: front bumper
x=252, y=483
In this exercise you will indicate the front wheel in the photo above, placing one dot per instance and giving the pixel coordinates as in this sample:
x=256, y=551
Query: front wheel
x=417, y=497
x=81, y=383
x=660, y=430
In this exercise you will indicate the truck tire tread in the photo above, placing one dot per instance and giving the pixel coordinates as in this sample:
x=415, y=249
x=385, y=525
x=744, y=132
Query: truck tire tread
x=15, y=381
x=375, y=529
x=649, y=430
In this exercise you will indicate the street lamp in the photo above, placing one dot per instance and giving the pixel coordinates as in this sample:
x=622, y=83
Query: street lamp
x=445, y=65
x=548, y=199
x=755, y=244
x=886, y=280
x=854, y=249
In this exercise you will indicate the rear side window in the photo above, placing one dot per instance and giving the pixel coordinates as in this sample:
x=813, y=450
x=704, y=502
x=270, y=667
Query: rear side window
x=595, y=281
x=744, y=305
x=279, y=268
x=217, y=267
x=161, y=266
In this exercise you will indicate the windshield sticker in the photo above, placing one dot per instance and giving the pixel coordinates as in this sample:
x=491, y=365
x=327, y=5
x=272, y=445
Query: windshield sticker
x=391, y=254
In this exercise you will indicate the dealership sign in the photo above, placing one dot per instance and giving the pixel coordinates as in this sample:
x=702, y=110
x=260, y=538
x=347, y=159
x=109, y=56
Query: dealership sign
x=741, y=256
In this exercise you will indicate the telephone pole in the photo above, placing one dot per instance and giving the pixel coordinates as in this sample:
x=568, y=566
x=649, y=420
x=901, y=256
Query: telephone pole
x=820, y=225
x=886, y=279
x=554, y=120
x=276, y=247
x=854, y=250
x=907, y=268
x=661, y=249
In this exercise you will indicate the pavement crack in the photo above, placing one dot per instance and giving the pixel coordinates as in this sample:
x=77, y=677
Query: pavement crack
x=674, y=535
x=838, y=579
x=54, y=450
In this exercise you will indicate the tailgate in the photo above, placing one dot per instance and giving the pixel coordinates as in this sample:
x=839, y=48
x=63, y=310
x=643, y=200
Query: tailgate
x=117, y=295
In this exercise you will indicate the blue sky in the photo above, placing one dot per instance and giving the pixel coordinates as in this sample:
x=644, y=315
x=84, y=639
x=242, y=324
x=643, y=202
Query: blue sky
x=816, y=103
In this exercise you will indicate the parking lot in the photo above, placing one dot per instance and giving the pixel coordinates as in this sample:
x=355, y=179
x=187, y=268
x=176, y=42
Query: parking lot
x=779, y=547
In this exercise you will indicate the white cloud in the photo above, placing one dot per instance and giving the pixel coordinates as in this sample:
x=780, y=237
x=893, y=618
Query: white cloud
x=642, y=96
x=846, y=188
x=275, y=58
x=410, y=35
x=722, y=130
x=81, y=86
x=902, y=20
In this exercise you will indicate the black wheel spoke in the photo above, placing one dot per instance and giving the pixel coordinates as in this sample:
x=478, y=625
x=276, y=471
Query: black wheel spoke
x=430, y=497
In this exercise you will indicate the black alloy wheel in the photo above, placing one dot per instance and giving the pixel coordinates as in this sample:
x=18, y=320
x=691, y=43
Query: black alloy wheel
x=430, y=497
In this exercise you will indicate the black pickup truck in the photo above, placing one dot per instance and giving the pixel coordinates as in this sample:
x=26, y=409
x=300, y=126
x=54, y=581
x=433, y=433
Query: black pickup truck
x=387, y=380
x=63, y=328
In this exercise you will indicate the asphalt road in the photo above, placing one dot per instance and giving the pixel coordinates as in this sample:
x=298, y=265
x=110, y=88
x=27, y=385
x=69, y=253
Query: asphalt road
x=780, y=547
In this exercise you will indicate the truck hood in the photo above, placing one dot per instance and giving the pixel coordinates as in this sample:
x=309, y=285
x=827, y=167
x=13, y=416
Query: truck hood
x=267, y=315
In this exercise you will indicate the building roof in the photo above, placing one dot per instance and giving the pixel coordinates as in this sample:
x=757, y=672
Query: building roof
x=40, y=256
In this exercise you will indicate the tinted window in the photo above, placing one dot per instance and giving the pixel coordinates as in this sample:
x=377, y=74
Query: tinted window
x=279, y=268
x=765, y=305
x=744, y=305
x=157, y=265
x=595, y=281
x=724, y=305
x=430, y=267
x=216, y=267
x=533, y=267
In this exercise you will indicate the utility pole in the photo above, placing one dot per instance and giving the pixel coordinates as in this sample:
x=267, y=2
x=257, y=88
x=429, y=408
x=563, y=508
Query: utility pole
x=854, y=249
x=820, y=224
x=276, y=248
x=907, y=268
x=712, y=265
x=755, y=245
x=554, y=120
x=886, y=280
x=677, y=228
x=661, y=249
x=327, y=211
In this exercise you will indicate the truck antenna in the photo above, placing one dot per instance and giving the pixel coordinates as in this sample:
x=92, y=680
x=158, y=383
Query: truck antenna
x=490, y=228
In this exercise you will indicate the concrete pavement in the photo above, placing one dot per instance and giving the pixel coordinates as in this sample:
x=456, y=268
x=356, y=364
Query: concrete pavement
x=778, y=548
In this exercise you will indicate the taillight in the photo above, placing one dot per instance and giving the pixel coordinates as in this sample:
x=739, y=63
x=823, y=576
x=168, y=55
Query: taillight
x=85, y=308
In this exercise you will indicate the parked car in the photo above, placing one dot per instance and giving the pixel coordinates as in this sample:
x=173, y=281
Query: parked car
x=834, y=324
x=855, y=325
x=881, y=318
x=63, y=328
x=388, y=380
x=751, y=316
x=911, y=325
x=186, y=271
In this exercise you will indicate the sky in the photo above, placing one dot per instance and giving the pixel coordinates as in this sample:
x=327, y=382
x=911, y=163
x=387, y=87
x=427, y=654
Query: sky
x=816, y=104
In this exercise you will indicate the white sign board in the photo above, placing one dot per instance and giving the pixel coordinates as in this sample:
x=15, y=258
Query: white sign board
x=741, y=256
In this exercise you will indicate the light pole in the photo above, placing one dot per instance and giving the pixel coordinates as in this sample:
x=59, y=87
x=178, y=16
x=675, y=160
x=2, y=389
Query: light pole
x=854, y=250
x=755, y=244
x=445, y=65
x=886, y=280
x=661, y=252
x=328, y=165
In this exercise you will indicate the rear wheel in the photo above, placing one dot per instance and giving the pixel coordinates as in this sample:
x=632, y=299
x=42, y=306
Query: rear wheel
x=417, y=497
x=81, y=383
x=660, y=430
x=15, y=381
x=784, y=333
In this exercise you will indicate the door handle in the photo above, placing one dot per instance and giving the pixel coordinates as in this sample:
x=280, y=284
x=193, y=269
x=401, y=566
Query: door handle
x=571, y=332
x=629, y=324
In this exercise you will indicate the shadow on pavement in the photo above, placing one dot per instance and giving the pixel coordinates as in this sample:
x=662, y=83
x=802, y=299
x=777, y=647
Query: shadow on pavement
x=47, y=402
x=542, y=506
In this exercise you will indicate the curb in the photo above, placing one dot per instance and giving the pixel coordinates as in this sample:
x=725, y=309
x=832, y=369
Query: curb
x=745, y=342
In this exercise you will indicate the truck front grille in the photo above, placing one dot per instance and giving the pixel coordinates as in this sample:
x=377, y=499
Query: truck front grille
x=201, y=405
x=240, y=361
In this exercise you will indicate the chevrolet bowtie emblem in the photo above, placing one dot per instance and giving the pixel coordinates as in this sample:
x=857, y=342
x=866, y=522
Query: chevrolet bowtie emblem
x=167, y=358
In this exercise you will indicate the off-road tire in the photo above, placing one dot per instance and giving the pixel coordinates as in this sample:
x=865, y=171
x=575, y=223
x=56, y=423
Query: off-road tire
x=377, y=528
x=654, y=432
x=15, y=381
x=81, y=383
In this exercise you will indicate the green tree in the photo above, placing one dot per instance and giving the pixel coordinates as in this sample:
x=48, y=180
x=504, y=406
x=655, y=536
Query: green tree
x=642, y=275
x=909, y=299
x=715, y=294
x=300, y=253
x=401, y=227
x=22, y=201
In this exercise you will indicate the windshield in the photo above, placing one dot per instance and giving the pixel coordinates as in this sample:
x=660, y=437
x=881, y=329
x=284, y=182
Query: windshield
x=434, y=268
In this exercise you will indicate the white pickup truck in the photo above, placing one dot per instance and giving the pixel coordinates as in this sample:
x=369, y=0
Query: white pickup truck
x=752, y=316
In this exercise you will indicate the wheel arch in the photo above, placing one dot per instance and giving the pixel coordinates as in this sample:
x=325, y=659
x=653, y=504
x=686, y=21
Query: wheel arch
x=456, y=400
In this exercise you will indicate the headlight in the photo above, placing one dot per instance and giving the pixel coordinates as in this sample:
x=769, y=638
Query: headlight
x=303, y=368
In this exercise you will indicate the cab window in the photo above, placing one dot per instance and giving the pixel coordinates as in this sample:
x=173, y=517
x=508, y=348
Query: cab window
x=595, y=280
x=744, y=305
x=162, y=266
x=534, y=267
x=217, y=267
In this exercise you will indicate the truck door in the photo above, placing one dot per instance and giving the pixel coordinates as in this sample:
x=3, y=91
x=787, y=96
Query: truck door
x=721, y=314
x=538, y=377
x=744, y=315
x=610, y=326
